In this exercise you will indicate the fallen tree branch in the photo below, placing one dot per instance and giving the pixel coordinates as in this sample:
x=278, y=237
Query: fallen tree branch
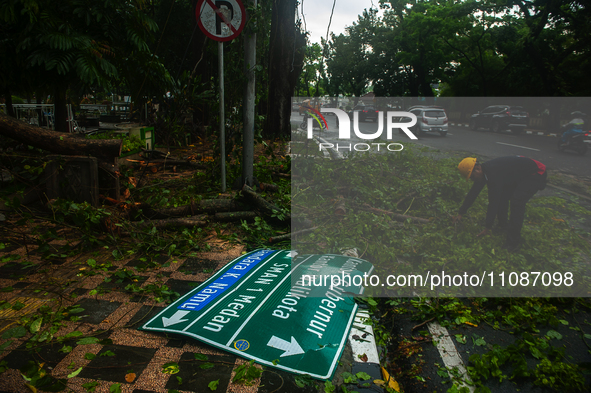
x=196, y=221
x=210, y=206
x=288, y=236
x=167, y=161
x=421, y=324
x=234, y=216
x=339, y=208
x=269, y=187
x=59, y=142
x=396, y=216
x=259, y=202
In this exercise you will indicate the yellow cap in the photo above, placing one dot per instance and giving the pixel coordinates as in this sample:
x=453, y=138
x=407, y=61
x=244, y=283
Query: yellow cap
x=466, y=166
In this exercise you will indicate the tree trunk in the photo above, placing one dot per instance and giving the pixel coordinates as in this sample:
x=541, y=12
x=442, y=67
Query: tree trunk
x=8, y=99
x=58, y=142
x=61, y=116
x=285, y=65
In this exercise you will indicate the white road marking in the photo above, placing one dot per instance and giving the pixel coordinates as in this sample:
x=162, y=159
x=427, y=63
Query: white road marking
x=449, y=353
x=364, y=344
x=521, y=147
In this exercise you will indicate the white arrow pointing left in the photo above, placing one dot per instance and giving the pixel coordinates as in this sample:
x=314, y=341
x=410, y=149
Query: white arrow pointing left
x=176, y=318
x=290, y=348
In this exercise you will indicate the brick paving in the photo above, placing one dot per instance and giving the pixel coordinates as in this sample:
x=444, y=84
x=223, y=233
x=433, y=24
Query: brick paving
x=113, y=316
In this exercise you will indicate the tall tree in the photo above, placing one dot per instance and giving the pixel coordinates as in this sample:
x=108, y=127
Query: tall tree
x=350, y=56
x=286, y=55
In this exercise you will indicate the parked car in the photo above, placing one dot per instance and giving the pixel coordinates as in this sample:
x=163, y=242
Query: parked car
x=429, y=119
x=499, y=118
x=366, y=112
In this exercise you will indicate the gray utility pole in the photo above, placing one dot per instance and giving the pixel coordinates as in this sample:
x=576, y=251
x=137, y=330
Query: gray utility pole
x=250, y=52
x=222, y=115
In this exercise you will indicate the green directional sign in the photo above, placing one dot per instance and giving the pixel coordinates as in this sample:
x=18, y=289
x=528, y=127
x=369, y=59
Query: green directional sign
x=266, y=306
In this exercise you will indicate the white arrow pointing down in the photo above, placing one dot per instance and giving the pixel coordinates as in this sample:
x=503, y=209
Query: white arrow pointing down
x=176, y=318
x=290, y=348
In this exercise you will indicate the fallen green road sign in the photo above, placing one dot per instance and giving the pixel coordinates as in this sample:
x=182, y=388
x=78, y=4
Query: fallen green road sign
x=258, y=307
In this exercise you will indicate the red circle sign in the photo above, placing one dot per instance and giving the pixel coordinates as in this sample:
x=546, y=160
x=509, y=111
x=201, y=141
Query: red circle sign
x=220, y=20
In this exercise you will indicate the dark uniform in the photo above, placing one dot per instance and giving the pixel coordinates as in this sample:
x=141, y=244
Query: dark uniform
x=512, y=179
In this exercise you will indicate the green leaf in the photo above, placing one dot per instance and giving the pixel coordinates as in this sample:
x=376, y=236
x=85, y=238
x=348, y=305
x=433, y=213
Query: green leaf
x=5, y=345
x=200, y=356
x=107, y=353
x=536, y=353
x=348, y=378
x=36, y=325
x=363, y=376
x=76, y=333
x=461, y=338
x=303, y=380
x=90, y=386
x=554, y=334
x=115, y=388
x=89, y=356
x=72, y=375
x=87, y=341
x=15, y=332
x=170, y=368
x=328, y=387
x=213, y=385
x=206, y=366
x=66, y=349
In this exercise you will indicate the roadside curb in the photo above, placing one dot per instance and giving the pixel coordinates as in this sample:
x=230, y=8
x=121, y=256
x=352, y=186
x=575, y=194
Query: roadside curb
x=527, y=131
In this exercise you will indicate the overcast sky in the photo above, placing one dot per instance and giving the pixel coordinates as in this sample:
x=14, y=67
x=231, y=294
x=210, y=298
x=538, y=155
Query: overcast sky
x=317, y=14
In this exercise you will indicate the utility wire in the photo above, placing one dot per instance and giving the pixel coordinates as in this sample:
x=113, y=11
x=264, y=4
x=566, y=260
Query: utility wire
x=330, y=20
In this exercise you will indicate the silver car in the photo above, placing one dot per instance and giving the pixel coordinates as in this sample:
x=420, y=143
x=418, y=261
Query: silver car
x=430, y=119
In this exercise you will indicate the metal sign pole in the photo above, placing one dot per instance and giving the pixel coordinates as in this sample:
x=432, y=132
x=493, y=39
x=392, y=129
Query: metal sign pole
x=221, y=20
x=222, y=115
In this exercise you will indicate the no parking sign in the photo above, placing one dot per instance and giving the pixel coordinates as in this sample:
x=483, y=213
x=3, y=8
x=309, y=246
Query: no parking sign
x=220, y=20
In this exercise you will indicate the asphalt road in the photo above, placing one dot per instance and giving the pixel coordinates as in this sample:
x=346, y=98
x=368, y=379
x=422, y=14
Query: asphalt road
x=481, y=143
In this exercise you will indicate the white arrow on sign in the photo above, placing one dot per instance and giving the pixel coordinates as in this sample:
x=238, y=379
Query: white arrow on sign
x=176, y=318
x=290, y=348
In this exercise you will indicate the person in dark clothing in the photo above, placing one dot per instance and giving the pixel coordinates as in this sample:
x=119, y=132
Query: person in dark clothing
x=511, y=180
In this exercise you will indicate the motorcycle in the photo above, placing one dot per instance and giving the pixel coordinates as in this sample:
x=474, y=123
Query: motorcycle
x=577, y=142
x=573, y=137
